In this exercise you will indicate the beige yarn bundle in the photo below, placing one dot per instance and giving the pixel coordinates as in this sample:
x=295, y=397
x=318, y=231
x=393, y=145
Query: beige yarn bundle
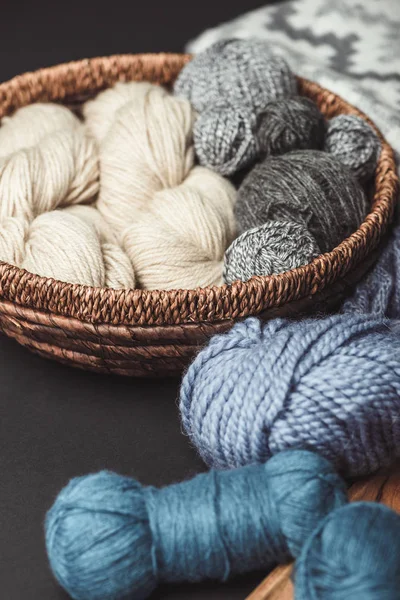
x=115, y=200
x=49, y=162
x=174, y=220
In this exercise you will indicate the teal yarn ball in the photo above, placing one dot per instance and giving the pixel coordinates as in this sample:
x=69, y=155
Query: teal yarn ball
x=330, y=385
x=353, y=553
x=109, y=538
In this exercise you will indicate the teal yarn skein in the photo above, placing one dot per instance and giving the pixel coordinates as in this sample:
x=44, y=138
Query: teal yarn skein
x=109, y=538
x=330, y=385
x=353, y=553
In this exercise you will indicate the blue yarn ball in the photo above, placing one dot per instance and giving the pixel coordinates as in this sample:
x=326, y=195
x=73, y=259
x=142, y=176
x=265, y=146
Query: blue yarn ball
x=109, y=538
x=330, y=385
x=353, y=553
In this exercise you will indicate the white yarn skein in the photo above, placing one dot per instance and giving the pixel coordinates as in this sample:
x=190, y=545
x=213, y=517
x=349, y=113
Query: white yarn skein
x=73, y=245
x=157, y=216
x=30, y=124
x=148, y=148
x=64, y=247
x=179, y=242
x=119, y=272
x=63, y=169
x=13, y=233
x=100, y=113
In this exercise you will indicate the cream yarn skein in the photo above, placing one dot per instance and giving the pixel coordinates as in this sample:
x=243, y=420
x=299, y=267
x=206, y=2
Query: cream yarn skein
x=100, y=113
x=118, y=268
x=157, y=216
x=47, y=161
x=30, y=124
x=148, y=148
x=13, y=233
x=66, y=245
x=174, y=221
x=179, y=242
x=73, y=245
x=61, y=170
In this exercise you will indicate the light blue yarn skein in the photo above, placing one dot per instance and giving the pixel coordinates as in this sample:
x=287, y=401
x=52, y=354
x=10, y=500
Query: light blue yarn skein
x=109, y=538
x=330, y=385
x=353, y=553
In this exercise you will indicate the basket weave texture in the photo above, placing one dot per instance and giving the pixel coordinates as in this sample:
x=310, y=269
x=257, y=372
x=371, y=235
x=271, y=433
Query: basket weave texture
x=139, y=332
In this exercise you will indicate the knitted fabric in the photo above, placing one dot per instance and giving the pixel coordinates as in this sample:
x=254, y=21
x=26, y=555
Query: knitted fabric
x=243, y=72
x=290, y=124
x=275, y=247
x=306, y=186
x=353, y=141
x=379, y=292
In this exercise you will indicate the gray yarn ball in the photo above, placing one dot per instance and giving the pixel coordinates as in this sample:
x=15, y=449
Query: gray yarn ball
x=243, y=72
x=272, y=248
x=306, y=186
x=290, y=124
x=224, y=138
x=353, y=141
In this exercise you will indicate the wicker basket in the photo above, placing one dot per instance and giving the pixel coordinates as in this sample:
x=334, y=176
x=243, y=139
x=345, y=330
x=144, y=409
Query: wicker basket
x=136, y=332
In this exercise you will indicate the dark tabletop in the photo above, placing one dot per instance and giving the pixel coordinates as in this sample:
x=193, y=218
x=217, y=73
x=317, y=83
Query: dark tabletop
x=57, y=422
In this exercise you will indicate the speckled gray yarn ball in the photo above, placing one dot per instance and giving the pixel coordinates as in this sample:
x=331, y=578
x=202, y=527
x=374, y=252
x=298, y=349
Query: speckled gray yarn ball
x=290, y=124
x=272, y=248
x=243, y=72
x=353, y=141
x=309, y=187
x=224, y=138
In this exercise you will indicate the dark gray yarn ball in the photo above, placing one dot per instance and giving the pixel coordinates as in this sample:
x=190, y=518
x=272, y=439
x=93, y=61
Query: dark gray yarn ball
x=353, y=141
x=243, y=72
x=309, y=187
x=290, y=124
x=224, y=138
x=272, y=248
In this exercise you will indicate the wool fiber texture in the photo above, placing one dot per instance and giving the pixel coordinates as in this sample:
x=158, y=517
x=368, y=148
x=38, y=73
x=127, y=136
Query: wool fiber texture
x=290, y=124
x=308, y=187
x=353, y=141
x=353, y=553
x=174, y=219
x=109, y=538
x=275, y=247
x=243, y=72
x=378, y=293
x=331, y=385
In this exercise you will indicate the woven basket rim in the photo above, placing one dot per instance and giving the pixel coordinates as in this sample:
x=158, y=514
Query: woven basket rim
x=69, y=81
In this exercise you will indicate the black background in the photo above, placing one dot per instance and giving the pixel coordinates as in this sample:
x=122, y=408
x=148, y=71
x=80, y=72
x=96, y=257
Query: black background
x=56, y=422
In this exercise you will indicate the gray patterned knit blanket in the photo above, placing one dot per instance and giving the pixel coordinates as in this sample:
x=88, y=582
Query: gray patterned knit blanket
x=351, y=47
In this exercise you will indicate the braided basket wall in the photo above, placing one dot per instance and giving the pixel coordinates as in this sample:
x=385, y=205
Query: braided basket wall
x=142, y=333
